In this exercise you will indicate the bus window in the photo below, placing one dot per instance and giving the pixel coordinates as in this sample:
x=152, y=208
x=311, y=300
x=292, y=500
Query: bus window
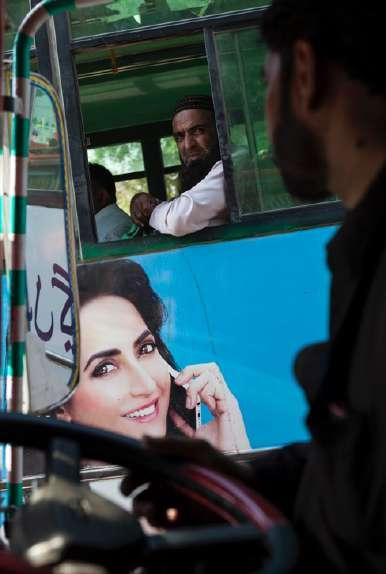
x=129, y=78
x=45, y=163
x=258, y=185
x=52, y=339
x=171, y=163
x=257, y=181
x=137, y=89
x=125, y=15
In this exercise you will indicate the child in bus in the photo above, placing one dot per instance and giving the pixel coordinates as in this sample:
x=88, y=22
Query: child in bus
x=111, y=222
x=129, y=382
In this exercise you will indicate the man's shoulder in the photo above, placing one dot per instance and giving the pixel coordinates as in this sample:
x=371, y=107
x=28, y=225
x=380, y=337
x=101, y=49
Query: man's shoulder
x=214, y=177
x=112, y=223
x=216, y=169
x=109, y=212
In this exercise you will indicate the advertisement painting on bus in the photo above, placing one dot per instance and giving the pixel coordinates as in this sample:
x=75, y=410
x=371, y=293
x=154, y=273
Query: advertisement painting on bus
x=51, y=339
x=129, y=381
x=160, y=332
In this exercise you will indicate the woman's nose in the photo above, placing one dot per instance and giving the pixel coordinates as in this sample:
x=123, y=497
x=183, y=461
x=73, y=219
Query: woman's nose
x=140, y=381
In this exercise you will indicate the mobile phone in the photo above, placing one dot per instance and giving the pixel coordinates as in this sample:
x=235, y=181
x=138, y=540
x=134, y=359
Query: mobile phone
x=197, y=411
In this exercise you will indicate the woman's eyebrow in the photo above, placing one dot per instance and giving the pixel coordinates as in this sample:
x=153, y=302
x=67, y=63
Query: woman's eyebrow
x=142, y=337
x=101, y=354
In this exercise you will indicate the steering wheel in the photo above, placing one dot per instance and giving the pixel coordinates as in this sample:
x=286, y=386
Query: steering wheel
x=67, y=523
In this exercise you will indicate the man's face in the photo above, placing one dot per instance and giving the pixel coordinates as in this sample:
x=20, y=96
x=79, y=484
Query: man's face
x=100, y=196
x=299, y=152
x=195, y=135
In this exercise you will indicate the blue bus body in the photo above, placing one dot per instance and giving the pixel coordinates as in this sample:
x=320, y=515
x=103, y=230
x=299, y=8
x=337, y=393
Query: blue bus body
x=248, y=305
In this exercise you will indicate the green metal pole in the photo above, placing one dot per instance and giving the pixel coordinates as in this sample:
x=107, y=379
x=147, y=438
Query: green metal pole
x=18, y=213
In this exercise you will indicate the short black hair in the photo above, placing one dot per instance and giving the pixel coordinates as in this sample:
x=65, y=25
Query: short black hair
x=102, y=176
x=349, y=33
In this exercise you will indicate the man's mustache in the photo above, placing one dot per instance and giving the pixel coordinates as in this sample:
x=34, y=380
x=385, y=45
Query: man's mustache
x=194, y=172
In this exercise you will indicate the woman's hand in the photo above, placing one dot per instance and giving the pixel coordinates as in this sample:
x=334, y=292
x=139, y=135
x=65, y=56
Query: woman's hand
x=205, y=382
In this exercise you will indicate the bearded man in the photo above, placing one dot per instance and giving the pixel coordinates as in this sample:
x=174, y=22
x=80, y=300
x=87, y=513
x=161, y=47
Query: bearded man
x=202, y=200
x=326, y=115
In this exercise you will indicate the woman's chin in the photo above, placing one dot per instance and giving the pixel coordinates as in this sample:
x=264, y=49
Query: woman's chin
x=154, y=429
x=138, y=434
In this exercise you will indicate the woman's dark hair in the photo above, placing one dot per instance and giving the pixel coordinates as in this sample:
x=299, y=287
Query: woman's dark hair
x=125, y=278
x=346, y=32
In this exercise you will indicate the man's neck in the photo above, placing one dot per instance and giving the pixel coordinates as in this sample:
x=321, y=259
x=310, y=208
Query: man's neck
x=353, y=166
x=102, y=207
x=354, y=150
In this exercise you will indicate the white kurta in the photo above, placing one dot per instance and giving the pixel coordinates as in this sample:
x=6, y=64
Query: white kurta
x=201, y=206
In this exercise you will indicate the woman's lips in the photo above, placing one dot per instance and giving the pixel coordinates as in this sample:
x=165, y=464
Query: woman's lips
x=144, y=414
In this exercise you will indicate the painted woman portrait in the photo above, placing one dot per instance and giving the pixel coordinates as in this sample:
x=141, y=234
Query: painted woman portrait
x=129, y=382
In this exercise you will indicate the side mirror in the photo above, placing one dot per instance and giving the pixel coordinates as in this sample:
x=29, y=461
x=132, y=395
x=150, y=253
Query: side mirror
x=52, y=341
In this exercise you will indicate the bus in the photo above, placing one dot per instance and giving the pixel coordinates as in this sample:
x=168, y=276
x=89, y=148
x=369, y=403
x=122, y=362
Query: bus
x=246, y=295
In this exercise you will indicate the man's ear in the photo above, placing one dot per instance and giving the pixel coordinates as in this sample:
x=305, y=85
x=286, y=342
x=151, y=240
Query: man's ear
x=63, y=415
x=304, y=81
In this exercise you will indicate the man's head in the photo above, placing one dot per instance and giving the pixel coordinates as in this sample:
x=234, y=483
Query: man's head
x=102, y=186
x=324, y=74
x=194, y=131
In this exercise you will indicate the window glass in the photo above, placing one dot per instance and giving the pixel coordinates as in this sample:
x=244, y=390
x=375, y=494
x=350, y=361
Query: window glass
x=52, y=338
x=16, y=11
x=257, y=181
x=172, y=185
x=44, y=168
x=127, y=189
x=128, y=14
x=122, y=158
x=169, y=152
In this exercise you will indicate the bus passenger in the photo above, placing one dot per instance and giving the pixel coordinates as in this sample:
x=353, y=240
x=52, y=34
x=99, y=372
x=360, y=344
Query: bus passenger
x=128, y=381
x=202, y=201
x=111, y=222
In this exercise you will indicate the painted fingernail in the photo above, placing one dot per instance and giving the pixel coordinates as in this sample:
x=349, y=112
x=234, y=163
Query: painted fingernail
x=173, y=373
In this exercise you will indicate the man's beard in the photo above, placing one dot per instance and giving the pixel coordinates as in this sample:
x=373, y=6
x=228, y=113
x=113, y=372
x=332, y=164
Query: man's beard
x=195, y=172
x=300, y=157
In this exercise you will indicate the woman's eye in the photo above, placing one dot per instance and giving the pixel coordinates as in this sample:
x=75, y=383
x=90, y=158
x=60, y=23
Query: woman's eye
x=103, y=369
x=147, y=348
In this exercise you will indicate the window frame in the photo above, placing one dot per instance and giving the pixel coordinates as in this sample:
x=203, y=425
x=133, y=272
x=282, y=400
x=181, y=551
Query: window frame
x=251, y=224
x=236, y=215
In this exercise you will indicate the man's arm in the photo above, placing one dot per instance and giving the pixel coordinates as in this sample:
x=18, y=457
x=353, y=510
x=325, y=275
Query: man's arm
x=141, y=207
x=194, y=209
